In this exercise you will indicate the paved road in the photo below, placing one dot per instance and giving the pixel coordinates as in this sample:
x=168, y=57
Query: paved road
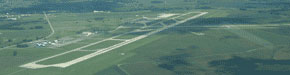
x=50, y=25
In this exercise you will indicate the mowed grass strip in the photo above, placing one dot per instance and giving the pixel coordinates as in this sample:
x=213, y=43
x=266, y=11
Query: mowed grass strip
x=73, y=46
x=132, y=35
x=65, y=58
x=155, y=26
x=104, y=44
x=146, y=68
x=81, y=43
x=186, y=16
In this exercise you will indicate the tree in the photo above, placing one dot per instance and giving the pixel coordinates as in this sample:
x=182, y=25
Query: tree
x=21, y=45
x=14, y=53
x=27, y=40
x=10, y=40
x=38, y=27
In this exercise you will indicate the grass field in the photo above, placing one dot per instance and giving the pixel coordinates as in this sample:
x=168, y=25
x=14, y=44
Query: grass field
x=64, y=58
x=104, y=44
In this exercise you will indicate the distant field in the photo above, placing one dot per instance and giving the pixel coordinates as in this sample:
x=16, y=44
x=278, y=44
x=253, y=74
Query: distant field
x=24, y=29
x=175, y=51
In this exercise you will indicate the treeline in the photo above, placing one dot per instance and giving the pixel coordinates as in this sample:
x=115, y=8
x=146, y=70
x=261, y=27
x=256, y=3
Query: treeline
x=157, y=2
x=248, y=66
x=219, y=21
x=4, y=41
x=15, y=25
x=76, y=7
x=241, y=4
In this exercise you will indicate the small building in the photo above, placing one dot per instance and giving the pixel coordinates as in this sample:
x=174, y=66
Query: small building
x=40, y=45
x=55, y=41
x=87, y=33
x=101, y=11
x=98, y=11
x=14, y=19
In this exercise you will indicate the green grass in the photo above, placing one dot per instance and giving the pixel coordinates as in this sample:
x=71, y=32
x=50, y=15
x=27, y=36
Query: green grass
x=273, y=37
x=196, y=46
x=131, y=35
x=144, y=68
x=64, y=58
x=81, y=43
x=114, y=70
x=72, y=46
x=101, y=45
x=69, y=24
x=186, y=16
x=26, y=55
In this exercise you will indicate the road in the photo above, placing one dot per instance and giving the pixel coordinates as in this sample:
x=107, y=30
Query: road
x=50, y=25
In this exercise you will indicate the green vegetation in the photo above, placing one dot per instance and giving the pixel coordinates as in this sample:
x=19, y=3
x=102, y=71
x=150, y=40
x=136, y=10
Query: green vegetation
x=101, y=45
x=64, y=58
x=131, y=35
x=21, y=45
x=24, y=29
